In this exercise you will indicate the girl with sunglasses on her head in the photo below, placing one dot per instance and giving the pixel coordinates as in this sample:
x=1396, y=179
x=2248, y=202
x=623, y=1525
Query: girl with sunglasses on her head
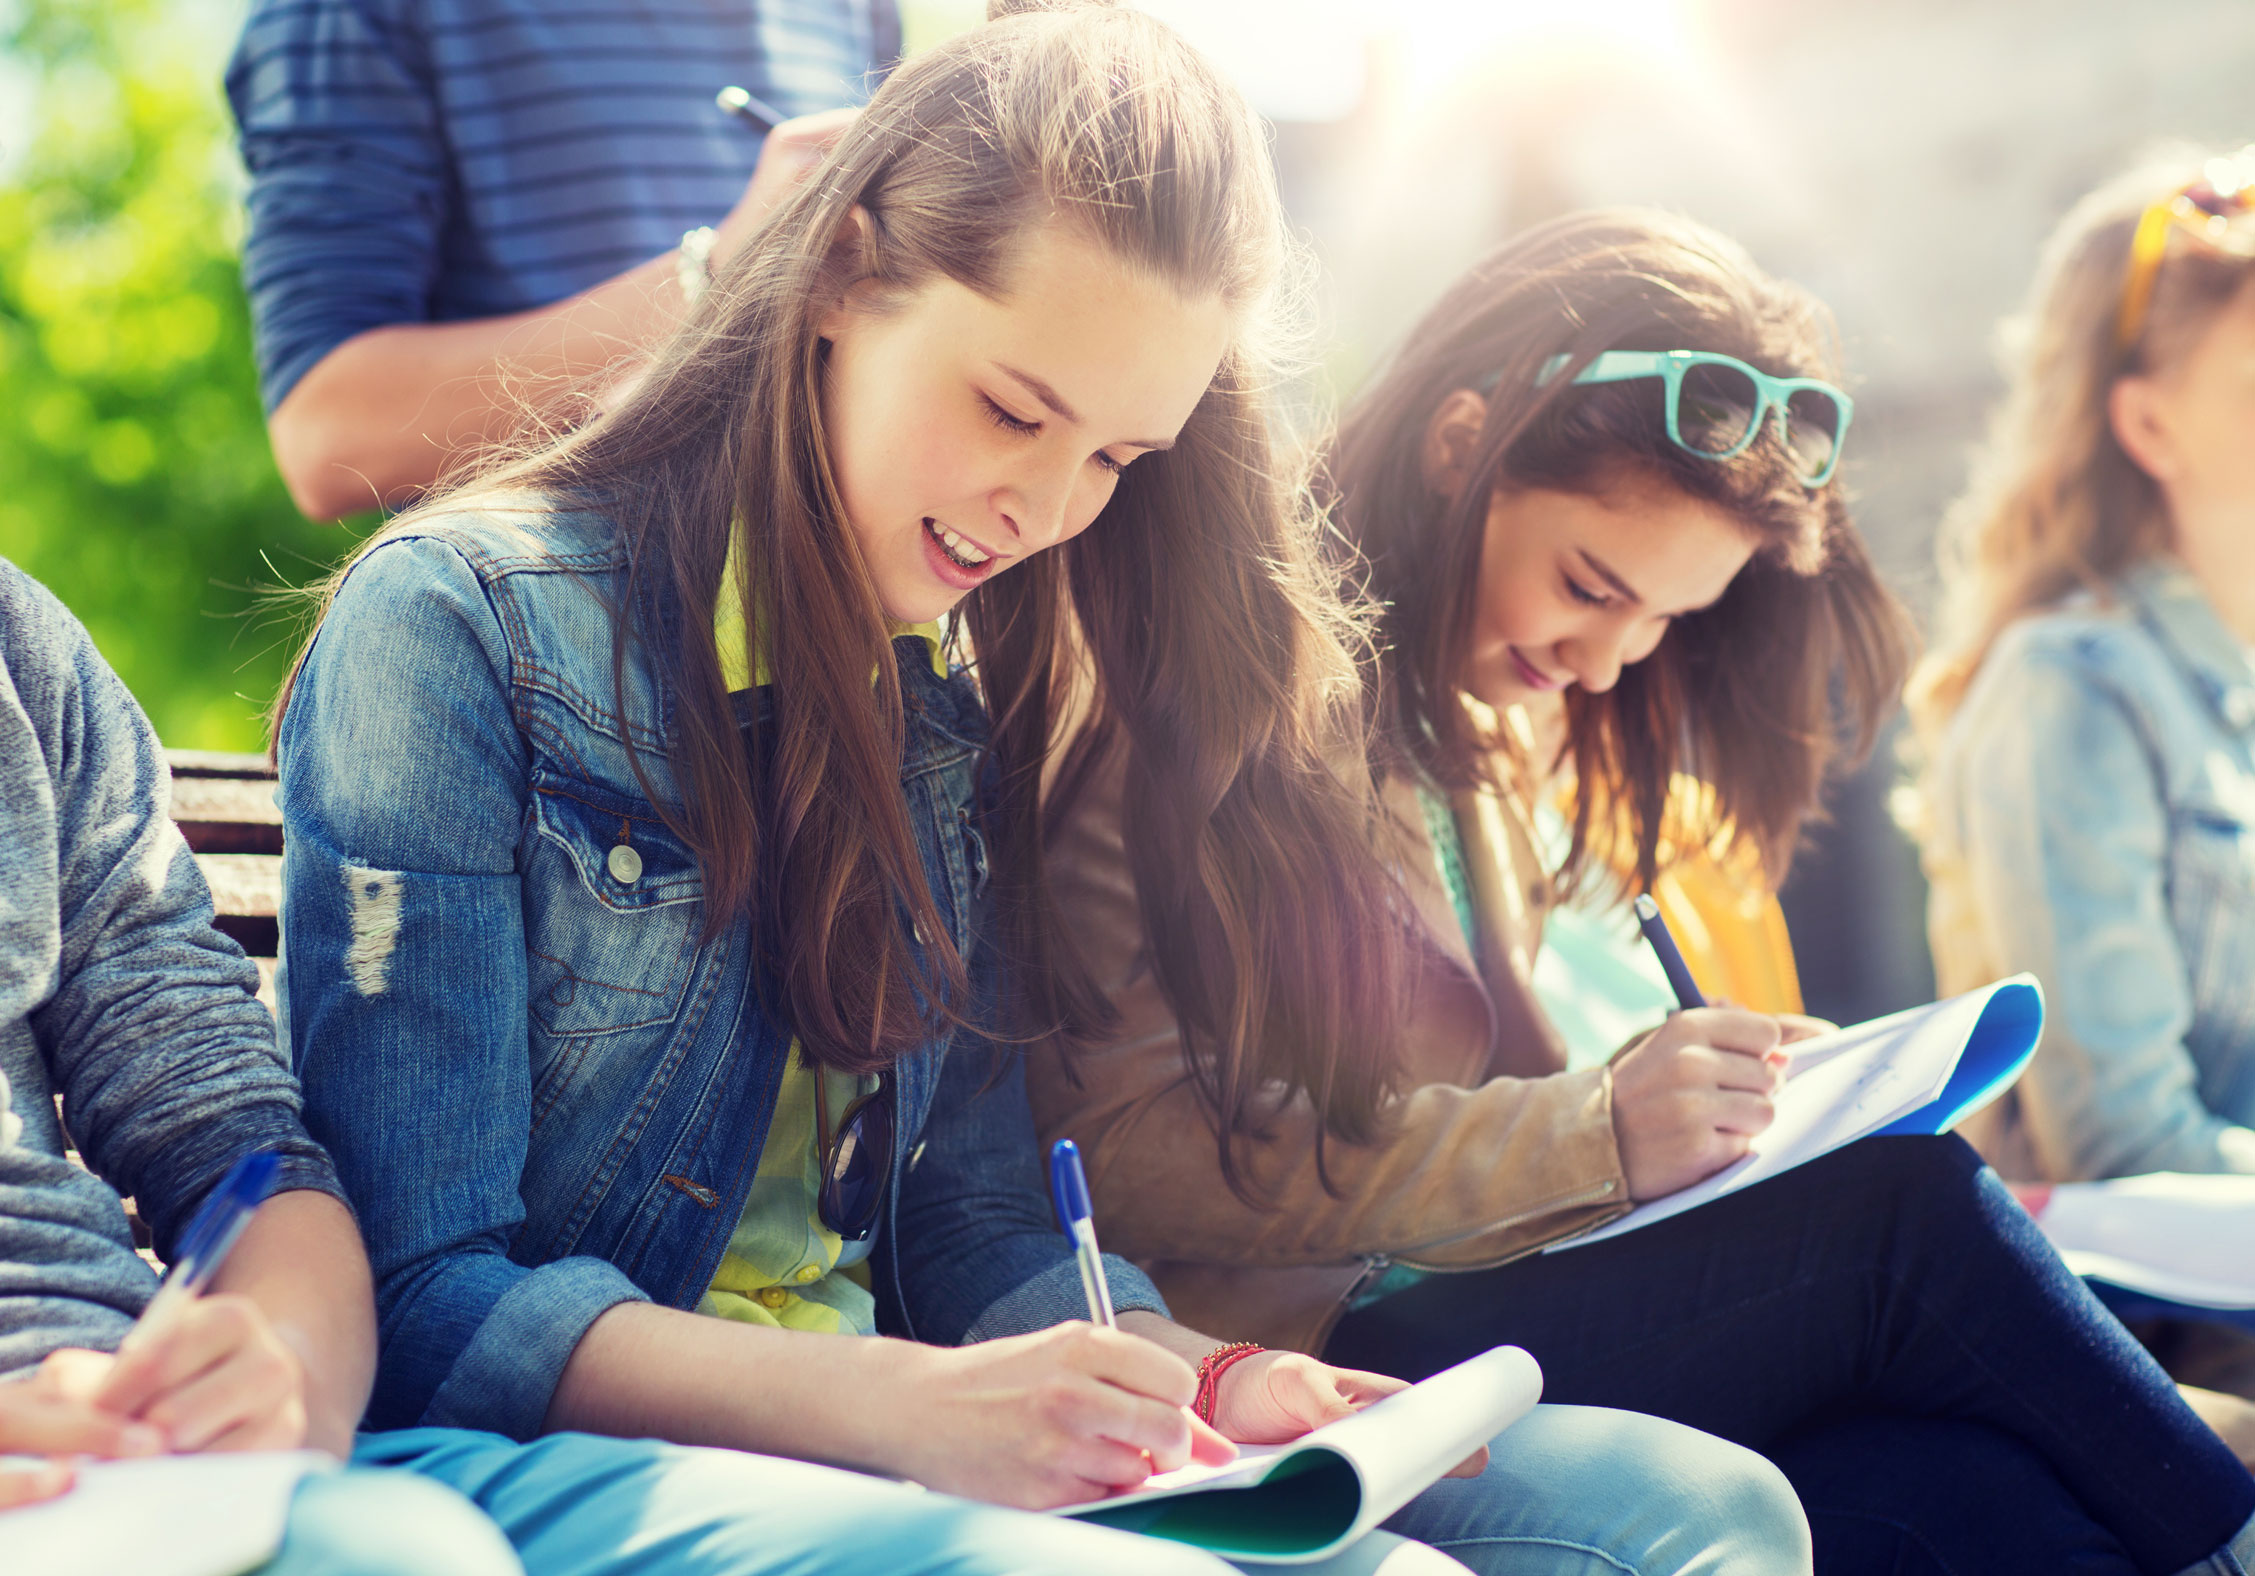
x=645, y=938
x=1599, y=474
x=2088, y=812
x=2090, y=714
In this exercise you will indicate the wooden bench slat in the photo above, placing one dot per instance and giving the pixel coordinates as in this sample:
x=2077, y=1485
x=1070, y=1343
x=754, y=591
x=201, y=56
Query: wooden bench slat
x=244, y=884
x=225, y=799
x=216, y=763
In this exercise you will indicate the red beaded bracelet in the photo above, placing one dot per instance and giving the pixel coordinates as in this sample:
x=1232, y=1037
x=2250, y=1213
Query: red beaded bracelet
x=1210, y=1369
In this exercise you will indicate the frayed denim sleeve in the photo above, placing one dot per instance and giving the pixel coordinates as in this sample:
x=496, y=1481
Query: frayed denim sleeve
x=154, y=1036
x=2065, y=836
x=404, y=790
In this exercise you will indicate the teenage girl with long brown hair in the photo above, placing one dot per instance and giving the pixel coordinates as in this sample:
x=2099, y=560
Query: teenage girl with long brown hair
x=647, y=916
x=1601, y=473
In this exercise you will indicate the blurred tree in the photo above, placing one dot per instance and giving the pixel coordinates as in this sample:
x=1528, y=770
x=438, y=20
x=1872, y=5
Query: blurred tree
x=135, y=478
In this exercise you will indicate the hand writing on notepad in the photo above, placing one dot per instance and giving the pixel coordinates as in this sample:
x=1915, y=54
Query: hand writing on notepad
x=214, y=1375
x=1272, y=1398
x=1064, y=1415
x=50, y=1414
x=1692, y=1096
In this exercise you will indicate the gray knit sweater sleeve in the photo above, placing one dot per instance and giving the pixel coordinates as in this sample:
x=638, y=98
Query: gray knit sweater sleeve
x=116, y=993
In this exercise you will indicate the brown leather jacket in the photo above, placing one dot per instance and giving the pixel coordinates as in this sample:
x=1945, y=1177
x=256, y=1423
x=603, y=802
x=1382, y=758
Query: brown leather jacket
x=1492, y=1154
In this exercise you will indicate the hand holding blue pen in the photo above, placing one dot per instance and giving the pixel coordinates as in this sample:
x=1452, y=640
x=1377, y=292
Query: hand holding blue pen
x=210, y=1236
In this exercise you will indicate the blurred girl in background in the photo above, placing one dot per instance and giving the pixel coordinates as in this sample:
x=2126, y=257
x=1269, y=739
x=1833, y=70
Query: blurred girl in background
x=1594, y=493
x=2089, y=813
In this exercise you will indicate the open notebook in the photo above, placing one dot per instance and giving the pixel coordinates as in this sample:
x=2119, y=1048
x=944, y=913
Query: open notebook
x=213, y=1515
x=2183, y=1241
x=1920, y=1071
x=1291, y=1504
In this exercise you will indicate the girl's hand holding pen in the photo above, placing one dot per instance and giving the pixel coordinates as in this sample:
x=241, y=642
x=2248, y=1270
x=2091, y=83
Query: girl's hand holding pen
x=1691, y=1097
x=1058, y=1417
x=214, y=1375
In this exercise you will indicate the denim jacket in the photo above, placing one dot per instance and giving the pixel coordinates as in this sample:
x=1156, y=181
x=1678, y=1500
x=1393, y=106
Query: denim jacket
x=2093, y=822
x=115, y=993
x=546, y=1091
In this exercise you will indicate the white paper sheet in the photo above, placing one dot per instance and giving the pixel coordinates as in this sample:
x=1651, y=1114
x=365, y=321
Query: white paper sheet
x=2189, y=1239
x=1923, y=1070
x=1304, y=1501
x=212, y=1515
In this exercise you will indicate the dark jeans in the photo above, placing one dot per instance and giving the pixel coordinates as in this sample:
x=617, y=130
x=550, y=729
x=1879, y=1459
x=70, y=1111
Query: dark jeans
x=1888, y=1325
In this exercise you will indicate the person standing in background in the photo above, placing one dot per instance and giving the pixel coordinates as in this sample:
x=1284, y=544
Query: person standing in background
x=463, y=214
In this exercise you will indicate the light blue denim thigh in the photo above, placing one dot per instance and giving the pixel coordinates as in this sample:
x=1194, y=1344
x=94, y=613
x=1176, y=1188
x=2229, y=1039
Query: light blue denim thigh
x=579, y=1505
x=364, y=1523
x=1585, y=1491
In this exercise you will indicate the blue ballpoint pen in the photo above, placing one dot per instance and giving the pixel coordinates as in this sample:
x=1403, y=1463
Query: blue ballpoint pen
x=205, y=1244
x=1655, y=931
x=1068, y=1187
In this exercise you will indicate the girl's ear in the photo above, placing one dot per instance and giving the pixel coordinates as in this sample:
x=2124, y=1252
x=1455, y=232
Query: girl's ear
x=2137, y=410
x=1451, y=438
x=849, y=271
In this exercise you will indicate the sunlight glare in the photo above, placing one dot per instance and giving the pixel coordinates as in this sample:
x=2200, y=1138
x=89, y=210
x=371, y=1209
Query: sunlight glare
x=1443, y=42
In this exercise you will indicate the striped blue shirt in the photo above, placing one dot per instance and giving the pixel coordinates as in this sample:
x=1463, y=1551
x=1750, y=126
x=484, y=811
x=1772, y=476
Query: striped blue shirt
x=433, y=160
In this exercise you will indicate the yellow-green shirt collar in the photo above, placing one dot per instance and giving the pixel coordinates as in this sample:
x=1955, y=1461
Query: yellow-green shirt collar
x=743, y=668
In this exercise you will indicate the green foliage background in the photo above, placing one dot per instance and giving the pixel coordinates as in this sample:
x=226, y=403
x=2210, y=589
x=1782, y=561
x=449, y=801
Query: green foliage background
x=135, y=478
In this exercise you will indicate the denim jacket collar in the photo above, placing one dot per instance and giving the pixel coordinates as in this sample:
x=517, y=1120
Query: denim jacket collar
x=2169, y=602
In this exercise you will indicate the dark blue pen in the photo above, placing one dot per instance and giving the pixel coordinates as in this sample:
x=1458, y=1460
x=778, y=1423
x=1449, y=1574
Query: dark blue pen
x=1068, y=1188
x=758, y=112
x=1655, y=931
x=204, y=1246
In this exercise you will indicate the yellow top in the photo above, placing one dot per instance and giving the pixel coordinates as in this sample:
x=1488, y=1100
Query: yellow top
x=783, y=1267
x=744, y=668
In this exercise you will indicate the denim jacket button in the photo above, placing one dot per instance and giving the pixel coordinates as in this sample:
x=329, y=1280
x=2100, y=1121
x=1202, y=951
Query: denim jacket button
x=624, y=864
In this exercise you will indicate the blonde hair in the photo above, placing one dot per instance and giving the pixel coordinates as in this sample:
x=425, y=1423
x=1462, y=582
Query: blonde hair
x=2055, y=505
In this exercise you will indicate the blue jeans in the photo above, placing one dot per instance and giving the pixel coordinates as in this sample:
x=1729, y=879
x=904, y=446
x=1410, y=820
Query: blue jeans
x=362, y=1523
x=1570, y=1492
x=1887, y=1325
x=1584, y=1491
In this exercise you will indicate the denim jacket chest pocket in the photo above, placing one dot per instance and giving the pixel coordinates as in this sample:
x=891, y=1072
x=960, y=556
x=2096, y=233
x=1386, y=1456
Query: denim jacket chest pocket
x=613, y=915
x=2211, y=875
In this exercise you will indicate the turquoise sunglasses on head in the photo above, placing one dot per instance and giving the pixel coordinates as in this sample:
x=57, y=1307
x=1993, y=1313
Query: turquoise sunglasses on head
x=1717, y=404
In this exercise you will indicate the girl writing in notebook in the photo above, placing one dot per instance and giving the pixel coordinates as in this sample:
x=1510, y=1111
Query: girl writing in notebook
x=646, y=930
x=1602, y=473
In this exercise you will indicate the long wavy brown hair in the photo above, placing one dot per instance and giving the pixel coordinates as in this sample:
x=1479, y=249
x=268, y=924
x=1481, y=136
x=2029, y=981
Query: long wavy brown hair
x=2055, y=504
x=1197, y=614
x=1754, y=695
